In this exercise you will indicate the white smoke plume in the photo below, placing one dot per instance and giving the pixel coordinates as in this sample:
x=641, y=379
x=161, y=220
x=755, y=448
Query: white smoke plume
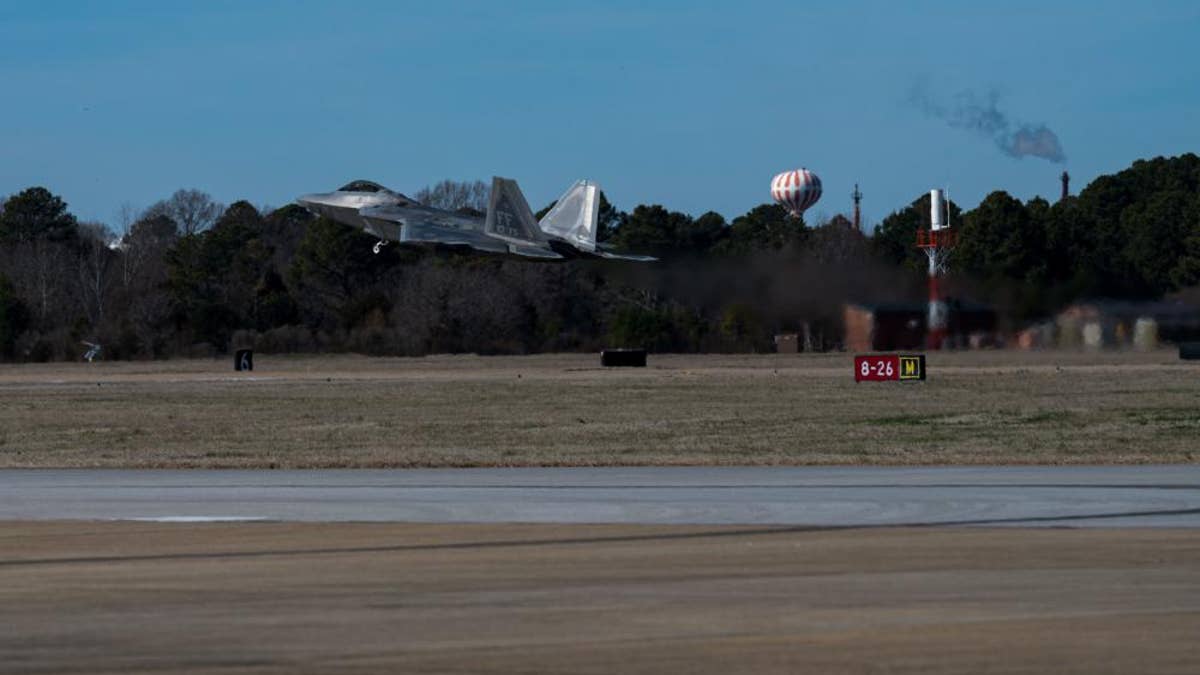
x=982, y=115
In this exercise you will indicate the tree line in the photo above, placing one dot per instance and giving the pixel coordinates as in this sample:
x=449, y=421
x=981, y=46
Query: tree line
x=191, y=277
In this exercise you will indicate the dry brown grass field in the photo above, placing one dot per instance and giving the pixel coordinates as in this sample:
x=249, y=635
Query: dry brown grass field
x=987, y=407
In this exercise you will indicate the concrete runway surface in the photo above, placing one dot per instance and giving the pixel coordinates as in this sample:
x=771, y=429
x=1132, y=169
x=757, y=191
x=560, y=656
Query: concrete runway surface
x=118, y=597
x=701, y=570
x=1113, y=496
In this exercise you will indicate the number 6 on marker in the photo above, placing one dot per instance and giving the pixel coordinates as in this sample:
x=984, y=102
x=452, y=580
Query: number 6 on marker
x=889, y=367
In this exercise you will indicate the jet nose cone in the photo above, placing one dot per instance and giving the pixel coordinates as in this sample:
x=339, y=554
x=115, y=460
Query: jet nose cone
x=310, y=200
x=318, y=203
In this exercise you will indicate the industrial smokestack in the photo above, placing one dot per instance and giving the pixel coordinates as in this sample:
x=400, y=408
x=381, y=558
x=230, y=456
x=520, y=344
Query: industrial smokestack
x=1066, y=183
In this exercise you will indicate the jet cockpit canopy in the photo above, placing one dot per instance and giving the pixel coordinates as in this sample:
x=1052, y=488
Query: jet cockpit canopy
x=362, y=186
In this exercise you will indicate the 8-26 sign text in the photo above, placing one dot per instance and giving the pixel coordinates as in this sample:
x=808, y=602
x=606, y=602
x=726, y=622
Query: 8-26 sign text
x=889, y=367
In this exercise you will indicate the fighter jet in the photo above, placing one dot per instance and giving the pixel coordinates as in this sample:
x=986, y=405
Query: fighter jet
x=567, y=231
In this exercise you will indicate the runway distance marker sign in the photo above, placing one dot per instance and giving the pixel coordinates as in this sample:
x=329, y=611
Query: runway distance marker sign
x=889, y=367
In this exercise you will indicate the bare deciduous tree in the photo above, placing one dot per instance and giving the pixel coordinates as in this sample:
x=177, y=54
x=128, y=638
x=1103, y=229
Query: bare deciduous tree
x=39, y=270
x=146, y=243
x=192, y=210
x=454, y=195
x=127, y=214
x=96, y=259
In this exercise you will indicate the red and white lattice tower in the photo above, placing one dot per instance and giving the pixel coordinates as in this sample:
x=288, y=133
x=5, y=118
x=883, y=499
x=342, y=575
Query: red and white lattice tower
x=936, y=242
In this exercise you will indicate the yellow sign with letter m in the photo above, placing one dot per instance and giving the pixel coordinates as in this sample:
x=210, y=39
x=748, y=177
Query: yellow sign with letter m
x=912, y=368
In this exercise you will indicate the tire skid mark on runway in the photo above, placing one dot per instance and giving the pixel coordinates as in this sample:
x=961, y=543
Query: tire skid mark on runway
x=197, y=519
x=592, y=486
x=571, y=541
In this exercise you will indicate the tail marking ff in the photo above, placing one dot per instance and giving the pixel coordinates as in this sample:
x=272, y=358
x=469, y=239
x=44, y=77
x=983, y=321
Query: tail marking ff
x=508, y=214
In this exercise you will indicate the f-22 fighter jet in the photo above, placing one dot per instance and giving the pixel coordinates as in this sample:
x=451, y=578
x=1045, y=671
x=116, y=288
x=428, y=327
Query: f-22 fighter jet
x=567, y=231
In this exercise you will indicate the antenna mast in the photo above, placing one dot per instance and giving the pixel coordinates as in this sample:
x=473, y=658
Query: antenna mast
x=857, y=196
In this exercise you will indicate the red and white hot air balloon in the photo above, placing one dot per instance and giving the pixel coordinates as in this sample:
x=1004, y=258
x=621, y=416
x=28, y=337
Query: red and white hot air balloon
x=796, y=190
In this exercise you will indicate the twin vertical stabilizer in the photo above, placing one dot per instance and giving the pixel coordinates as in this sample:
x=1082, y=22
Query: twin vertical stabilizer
x=574, y=216
x=508, y=214
x=572, y=219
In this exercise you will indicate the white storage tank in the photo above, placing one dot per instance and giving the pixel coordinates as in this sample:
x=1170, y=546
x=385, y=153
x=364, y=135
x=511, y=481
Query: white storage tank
x=1145, y=334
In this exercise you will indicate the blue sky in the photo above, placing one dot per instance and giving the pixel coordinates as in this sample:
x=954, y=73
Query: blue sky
x=694, y=105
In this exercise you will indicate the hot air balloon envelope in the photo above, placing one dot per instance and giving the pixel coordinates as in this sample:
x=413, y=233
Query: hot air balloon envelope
x=796, y=190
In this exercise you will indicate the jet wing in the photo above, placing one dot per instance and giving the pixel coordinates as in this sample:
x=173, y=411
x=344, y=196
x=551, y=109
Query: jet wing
x=624, y=256
x=534, y=252
x=604, y=250
x=416, y=227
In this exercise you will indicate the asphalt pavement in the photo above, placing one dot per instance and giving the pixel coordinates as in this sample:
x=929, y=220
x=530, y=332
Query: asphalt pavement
x=1083, y=496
